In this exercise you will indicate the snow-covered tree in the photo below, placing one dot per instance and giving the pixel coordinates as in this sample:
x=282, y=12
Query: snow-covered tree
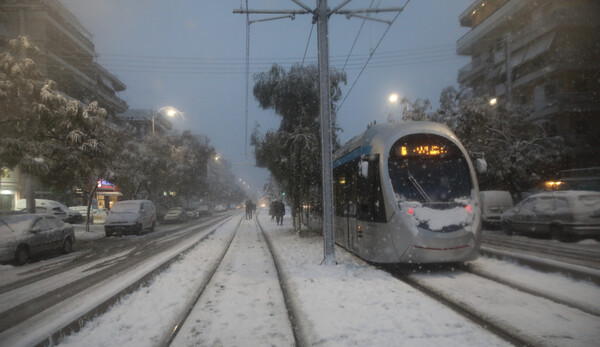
x=43, y=132
x=292, y=153
x=518, y=151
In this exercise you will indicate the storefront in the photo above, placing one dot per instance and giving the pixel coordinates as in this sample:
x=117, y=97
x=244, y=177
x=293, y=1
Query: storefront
x=10, y=191
x=107, y=194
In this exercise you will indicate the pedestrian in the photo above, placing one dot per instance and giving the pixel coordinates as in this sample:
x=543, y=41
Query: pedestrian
x=272, y=209
x=249, y=209
x=279, y=212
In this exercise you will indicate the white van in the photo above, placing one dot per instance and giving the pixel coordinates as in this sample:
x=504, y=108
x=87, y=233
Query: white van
x=493, y=204
x=130, y=216
x=52, y=207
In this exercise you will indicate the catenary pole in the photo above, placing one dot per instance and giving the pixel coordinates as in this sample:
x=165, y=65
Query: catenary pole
x=322, y=14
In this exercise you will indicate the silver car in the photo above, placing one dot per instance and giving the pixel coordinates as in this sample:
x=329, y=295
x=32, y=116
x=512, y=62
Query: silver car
x=23, y=235
x=561, y=214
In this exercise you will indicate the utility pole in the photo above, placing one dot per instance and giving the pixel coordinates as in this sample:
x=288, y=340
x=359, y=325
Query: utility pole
x=326, y=162
x=508, y=69
x=321, y=16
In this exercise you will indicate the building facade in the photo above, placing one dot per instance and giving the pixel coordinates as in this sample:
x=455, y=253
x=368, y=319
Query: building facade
x=145, y=122
x=544, y=54
x=68, y=57
x=68, y=53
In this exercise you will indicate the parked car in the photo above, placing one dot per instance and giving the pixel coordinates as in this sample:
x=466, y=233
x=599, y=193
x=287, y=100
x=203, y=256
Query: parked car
x=191, y=213
x=52, y=207
x=563, y=215
x=493, y=204
x=204, y=210
x=130, y=216
x=220, y=208
x=175, y=215
x=82, y=209
x=24, y=235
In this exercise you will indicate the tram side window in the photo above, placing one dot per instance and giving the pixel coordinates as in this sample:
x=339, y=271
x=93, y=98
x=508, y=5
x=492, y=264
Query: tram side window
x=371, y=206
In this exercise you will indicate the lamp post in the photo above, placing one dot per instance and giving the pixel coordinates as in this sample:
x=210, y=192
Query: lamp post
x=170, y=111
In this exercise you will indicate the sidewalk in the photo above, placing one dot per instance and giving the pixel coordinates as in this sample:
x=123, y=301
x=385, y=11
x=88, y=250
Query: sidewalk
x=352, y=303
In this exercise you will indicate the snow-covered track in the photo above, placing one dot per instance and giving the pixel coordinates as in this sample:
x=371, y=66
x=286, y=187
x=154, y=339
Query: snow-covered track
x=576, y=261
x=499, y=305
x=242, y=303
x=470, y=314
x=176, y=327
x=66, y=309
x=292, y=312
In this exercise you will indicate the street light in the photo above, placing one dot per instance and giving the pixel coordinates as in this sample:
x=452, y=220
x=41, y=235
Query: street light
x=170, y=111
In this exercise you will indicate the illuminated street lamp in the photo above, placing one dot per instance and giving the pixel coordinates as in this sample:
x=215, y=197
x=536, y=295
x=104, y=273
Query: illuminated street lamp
x=493, y=101
x=170, y=111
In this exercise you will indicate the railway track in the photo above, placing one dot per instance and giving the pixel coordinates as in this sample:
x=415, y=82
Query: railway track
x=493, y=301
x=261, y=312
x=574, y=260
x=72, y=299
x=566, y=252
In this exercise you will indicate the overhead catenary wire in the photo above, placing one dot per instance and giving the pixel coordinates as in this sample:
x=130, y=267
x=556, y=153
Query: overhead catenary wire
x=356, y=39
x=369, y=59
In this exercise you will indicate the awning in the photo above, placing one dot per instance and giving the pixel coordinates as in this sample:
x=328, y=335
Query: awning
x=533, y=50
x=109, y=193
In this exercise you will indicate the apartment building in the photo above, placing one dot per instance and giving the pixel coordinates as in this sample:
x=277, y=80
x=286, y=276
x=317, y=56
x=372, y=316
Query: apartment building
x=544, y=54
x=68, y=52
x=68, y=57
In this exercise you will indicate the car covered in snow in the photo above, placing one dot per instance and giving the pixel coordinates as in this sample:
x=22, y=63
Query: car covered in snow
x=25, y=235
x=493, y=204
x=175, y=215
x=204, y=210
x=53, y=207
x=564, y=215
x=130, y=217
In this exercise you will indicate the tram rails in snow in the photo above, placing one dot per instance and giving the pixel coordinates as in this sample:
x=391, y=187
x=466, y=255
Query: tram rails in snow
x=571, y=253
x=498, y=303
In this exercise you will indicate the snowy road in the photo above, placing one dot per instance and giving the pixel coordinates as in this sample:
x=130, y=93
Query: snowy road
x=351, y=303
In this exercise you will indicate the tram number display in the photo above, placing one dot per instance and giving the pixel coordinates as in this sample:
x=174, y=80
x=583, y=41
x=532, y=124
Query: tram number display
x=421, y=151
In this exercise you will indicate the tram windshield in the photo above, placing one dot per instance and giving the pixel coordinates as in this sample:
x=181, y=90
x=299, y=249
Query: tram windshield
x=429, y=169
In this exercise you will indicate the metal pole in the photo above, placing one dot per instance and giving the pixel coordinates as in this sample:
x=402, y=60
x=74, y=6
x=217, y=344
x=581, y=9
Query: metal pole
x=247, y=81
x=508, y=70
x=322, y=14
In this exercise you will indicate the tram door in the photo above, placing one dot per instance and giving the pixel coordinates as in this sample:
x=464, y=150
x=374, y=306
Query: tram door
x=352, y=208
x=345, y=199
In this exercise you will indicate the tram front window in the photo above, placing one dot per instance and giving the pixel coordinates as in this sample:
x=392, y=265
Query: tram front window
x=429, y=169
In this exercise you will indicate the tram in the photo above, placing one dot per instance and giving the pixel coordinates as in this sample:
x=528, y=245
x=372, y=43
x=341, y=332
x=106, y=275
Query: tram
x=406, y=192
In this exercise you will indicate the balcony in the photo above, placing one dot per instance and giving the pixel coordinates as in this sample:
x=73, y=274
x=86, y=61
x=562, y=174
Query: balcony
x=566, y=103
x=492, y=27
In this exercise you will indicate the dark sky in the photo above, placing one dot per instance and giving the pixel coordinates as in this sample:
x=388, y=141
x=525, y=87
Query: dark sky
x=191, y=54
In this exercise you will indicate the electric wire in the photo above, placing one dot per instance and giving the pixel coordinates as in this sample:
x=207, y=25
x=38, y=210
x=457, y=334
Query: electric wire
x=369, y=59
x=356, y=38
x=307, y=42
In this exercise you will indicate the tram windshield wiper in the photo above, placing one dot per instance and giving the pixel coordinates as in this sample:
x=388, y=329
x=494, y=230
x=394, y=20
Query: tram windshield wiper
x=417, y=185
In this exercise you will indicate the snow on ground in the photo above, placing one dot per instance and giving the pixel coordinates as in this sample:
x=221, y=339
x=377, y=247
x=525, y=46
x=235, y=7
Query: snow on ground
x=350, y=303
x=243, y=305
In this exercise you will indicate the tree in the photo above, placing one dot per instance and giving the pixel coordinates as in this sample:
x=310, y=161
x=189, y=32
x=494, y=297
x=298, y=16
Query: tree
x=292, y=153
x=519, y=152
x=42, y=132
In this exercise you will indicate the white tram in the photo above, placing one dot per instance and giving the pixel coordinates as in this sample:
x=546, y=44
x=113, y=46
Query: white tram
x=407, y=193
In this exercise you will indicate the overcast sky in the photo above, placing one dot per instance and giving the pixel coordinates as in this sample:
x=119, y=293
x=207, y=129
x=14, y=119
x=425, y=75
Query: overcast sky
x=191, y=54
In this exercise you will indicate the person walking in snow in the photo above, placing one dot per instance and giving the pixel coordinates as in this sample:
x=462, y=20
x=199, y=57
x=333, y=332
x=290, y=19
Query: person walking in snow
x=279, y=212
x=249, y=209
x=272, y=210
